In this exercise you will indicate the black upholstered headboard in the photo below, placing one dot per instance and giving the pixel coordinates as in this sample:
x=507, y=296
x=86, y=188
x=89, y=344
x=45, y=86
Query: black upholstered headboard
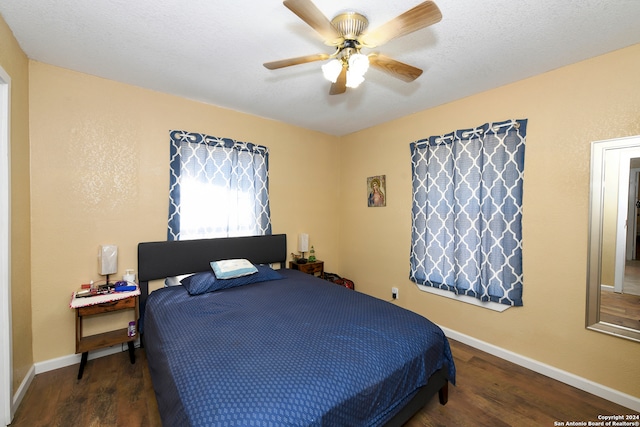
x=157, y=260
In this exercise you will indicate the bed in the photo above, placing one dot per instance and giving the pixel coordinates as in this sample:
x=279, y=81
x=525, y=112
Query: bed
x=292, y=349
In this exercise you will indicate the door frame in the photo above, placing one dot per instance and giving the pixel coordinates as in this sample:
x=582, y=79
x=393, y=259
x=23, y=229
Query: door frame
x=624, y=172
x=632, y=226
x=6, y=366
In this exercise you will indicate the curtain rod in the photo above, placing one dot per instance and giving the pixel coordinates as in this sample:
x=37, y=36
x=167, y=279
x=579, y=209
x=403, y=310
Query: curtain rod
x=493, y=127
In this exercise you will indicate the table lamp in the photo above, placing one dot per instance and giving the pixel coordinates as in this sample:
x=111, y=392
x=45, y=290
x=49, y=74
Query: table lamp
x=303, y=246
x=108, y=260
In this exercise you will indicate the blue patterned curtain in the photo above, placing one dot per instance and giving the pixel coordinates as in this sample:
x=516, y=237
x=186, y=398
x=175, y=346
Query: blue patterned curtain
x=467, y=211
x=219, y=187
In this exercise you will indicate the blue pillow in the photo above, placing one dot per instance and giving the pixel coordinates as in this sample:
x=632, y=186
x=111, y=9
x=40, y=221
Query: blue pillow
x=204, y=282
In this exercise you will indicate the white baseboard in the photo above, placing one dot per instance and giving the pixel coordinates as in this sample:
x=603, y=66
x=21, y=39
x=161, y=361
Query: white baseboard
x=573, y=380
x=22, y=390
x=73, y=359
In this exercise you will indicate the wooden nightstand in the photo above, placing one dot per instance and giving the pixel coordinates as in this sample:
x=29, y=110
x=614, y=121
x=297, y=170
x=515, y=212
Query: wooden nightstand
x=93, y=342
x=309, y=267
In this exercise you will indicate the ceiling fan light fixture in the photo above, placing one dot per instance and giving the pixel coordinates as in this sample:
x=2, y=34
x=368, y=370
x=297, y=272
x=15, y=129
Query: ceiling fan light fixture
x=354, y=79
x=331, y=70
x=358, y=63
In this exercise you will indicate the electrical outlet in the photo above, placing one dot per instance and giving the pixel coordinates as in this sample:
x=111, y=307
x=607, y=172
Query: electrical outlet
x=394, y=293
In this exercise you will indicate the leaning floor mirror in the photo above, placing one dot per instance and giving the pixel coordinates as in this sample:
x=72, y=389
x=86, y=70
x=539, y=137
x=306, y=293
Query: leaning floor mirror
x=613, y=279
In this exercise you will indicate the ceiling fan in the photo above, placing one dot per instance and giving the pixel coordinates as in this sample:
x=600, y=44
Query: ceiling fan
x=348, y=33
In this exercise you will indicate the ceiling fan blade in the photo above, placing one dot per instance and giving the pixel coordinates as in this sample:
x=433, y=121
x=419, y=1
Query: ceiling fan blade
x=309, y=13
x=421, y=16
x=394, y=68
x=340, y=86
x=295, y=61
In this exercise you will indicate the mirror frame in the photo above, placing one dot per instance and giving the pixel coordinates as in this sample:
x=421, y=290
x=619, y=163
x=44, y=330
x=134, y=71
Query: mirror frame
x=599, y=151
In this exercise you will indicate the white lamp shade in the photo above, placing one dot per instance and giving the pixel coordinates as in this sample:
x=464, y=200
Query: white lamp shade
x=108, y=259
x=331, y=70
x=303, y=242
x=354, y=79
x=358, y=64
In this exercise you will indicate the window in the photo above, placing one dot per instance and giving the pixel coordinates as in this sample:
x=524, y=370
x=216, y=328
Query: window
x=219, y=188
x=467, y=212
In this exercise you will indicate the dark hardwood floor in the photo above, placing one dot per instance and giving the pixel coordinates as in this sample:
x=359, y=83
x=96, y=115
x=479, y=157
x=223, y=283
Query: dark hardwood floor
x=493, y=392
x=112, y=392
x=489, y=392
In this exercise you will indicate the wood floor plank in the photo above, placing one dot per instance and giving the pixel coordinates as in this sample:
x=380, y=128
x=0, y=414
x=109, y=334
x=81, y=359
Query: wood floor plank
x=48, y=397
x=133, y=396
x=489, y=392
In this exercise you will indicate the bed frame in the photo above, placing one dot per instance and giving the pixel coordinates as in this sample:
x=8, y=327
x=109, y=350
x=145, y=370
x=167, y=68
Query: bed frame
x=158, y=260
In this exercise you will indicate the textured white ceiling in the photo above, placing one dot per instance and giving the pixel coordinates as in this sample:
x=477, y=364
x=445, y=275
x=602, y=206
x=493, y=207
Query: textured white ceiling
x=213, y=51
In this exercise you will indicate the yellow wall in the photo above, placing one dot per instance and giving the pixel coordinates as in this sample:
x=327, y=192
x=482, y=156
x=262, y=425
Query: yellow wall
x=15, y=63
x=567, y=109
x=100, y=161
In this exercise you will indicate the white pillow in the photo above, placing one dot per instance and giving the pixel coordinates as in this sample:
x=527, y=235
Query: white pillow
x=230, y=268
x=175, y=280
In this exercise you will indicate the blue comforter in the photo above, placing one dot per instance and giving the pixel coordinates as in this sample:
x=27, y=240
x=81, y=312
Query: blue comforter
x=298, y=351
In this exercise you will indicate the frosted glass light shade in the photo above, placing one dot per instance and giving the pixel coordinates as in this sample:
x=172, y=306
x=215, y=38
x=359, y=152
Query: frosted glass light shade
x=354, y=79
x=358, y=64
x=331, y=70
x=303, y=242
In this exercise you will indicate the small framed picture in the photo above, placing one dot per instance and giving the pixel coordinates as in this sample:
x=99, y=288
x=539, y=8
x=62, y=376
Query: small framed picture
x=376, y=191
